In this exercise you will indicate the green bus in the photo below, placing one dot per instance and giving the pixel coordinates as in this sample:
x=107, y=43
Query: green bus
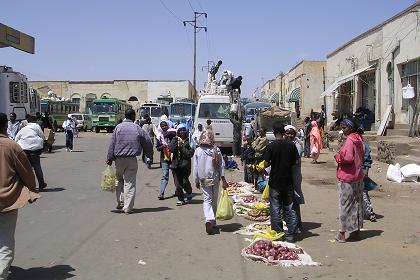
x=58, y=110
x=107, y=113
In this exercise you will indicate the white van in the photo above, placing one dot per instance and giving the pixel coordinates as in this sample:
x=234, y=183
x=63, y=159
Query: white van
x=84, y=121
x=217, y=109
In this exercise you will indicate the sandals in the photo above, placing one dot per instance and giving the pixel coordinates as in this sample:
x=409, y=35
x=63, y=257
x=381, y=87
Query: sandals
x=372, y=217
x=339, y=239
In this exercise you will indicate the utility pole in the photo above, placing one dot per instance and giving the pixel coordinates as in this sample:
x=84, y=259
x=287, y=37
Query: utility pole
x=193, y=23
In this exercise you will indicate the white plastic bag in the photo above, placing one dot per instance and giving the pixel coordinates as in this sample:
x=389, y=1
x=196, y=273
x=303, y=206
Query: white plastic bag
x=411, y=170
x=408, y=92
x=394, y=173
x=314, y=150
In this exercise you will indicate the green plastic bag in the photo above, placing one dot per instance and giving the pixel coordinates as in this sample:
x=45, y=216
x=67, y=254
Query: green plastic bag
x=224, y=207
x=108, y=179
x=266, y=193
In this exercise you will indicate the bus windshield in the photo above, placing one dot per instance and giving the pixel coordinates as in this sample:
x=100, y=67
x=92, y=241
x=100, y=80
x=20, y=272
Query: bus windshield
x=44, y=108
x=214, y=110
x=155, y=111
x=103, y=108
x=181, y=110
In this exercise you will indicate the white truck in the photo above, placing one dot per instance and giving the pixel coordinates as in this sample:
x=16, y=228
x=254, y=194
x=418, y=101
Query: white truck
x=218, y=104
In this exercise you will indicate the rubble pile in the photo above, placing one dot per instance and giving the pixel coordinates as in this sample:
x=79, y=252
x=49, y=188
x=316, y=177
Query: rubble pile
x=386, y=152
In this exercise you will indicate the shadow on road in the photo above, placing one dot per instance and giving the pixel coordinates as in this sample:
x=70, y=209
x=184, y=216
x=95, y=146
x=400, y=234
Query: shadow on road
x=195, y=201
x=144, y=210
x=365, y=234
x=57, y=272
x=230, y=227
x=310, y=225
x=56, y=189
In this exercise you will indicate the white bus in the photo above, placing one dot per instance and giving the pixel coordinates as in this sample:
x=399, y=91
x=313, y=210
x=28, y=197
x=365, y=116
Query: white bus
x=15, y=95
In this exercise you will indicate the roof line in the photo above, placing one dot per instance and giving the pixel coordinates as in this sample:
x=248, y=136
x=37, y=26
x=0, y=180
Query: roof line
x=364, y=34
x=301, y=62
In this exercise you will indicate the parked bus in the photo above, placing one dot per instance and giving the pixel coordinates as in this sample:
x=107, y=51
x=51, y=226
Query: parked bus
x=107, y=113
x=58, y=110
x=154, y=110
x=14, y=94
x=182, y=112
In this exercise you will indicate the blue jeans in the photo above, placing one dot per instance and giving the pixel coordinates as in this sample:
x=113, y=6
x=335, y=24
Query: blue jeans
x=69, y=139
x=282, y=200
x=165, y=177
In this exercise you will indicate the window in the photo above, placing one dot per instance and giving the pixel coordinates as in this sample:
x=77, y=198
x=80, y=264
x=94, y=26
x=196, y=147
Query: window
x=75, y=100
x=18, y=92
x=214, y=110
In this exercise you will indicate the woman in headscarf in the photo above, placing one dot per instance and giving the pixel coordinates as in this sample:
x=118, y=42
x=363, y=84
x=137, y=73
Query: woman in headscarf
x=316, y=141
x=350, y=176
x=298, y=198
x=209, y=167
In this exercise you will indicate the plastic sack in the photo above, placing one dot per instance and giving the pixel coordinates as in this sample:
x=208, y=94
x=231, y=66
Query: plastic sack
x=269, y=235
x=224, y=207
x=369, y=184
x=108, y=179
x=314, y=150
x=260, y=166
x=410, y=170
x=394, y=173
x=266, y=193
x=408, y=92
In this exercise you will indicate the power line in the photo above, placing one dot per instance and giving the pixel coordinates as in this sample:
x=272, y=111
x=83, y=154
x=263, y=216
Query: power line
x=192, y=8
x=170, y=11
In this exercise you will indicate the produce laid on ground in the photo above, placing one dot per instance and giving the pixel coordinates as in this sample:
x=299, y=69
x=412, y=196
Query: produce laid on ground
x=259, y=215
x=236, y=188
x=277, y=253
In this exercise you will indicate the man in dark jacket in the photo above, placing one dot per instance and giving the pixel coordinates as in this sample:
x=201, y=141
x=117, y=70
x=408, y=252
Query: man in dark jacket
x=181, y=164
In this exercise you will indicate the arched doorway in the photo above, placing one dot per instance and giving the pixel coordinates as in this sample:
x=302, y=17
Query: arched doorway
x=106, y=95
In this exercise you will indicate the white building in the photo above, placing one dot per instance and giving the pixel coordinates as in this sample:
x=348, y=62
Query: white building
x=134, y=91
x=371, y=70
x=301, y=87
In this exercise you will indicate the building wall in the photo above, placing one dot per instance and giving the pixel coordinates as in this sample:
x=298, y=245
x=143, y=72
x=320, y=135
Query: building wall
x=143, y=90
x=309, y=77
x=376, y=47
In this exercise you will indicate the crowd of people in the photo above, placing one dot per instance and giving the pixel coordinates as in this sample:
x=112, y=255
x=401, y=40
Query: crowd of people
x=276, y=165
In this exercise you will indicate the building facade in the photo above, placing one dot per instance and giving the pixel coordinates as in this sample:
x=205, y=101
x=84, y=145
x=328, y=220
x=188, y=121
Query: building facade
x=135, y=92
x=371, y=70
x=301, y=87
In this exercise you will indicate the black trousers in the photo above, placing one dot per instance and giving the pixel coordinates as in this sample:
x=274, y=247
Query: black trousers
x=182, y=182
x=35, y=160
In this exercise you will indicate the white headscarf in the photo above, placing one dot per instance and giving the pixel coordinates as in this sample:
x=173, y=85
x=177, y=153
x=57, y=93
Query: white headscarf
x=290, y=127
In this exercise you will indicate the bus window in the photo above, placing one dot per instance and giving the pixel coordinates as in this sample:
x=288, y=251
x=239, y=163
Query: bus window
x=155, y=111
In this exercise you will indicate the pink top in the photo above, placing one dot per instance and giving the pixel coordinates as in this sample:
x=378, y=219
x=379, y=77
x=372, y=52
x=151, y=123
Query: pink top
x=350, y=159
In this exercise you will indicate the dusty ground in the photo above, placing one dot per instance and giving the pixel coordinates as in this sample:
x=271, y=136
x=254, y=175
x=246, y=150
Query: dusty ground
x=74, y=232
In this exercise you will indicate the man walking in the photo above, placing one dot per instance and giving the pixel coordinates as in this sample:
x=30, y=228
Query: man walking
x=31, y=140
x=281, y=155
x=17, y=188
x=128, y=141
x=13, y=126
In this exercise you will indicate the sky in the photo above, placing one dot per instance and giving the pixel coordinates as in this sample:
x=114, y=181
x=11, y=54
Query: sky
x=98, y=40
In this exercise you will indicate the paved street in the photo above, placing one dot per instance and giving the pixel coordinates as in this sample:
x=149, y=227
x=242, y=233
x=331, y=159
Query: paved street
x=74, y=233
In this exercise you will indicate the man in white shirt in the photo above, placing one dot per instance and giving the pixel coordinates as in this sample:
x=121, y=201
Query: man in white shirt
x=31, y=139
x=69, y=127
x=13, y=126
x=196, y=136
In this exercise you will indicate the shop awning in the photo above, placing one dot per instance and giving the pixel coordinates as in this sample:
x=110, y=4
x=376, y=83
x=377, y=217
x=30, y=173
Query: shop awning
x=293, y=96
x=343, y=79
